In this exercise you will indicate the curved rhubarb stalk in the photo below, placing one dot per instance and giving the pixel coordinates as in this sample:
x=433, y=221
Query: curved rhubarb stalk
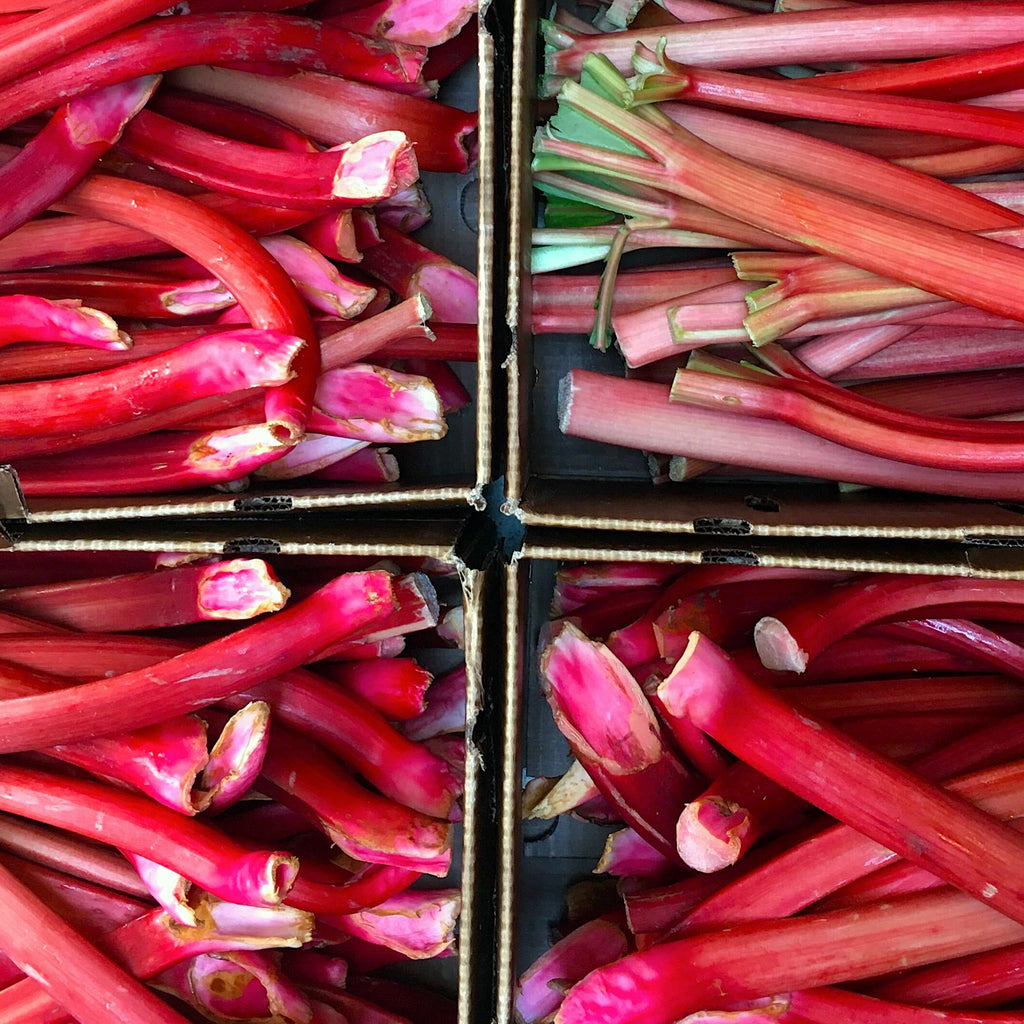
x=169, y=43
x=213, y=365
x=258, y=283
x=144, y=828
x=445, y=711
x=31, y=318
x=237, y=757
x=368, y=170
x=81, y=979
x=367, y=827
x=294, y=636
x=666, y=982
x=335, y=111
x=789, y=642
x=705, y=683
x=73, y=139
x=371, y=886
x=232, y=590
x=417, y=924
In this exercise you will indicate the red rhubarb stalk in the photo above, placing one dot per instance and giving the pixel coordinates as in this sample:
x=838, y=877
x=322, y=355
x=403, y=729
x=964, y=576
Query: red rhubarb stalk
x=364, y=172
x=169, y=43
x=417, y=924
x=149, y=830
x=396, y=687
x=248, y=657
x=238, y=589
x=663, y=984
x=790, y=642
x=79, y=977
x=705, y=682
x=301, y=774
x=408, y=21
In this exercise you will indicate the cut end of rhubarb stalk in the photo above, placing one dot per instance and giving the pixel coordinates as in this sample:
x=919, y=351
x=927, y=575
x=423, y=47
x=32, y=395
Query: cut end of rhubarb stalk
x=267, y=878
x=237, y=756
x=240, y=589
x=558, y=796
x=376, y=167
x=566, y=391
x=777, y=648
x=419, y=925
x=710, y=832
x=452, y=292
x=598, y=706
x=261, y=926
x=101, y=116
x=194, y=298
x=234, y=453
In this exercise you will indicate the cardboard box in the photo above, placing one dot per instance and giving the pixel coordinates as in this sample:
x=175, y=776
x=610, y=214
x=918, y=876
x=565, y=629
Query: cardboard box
x=447, y=473
x=554, y=480
x=540, y=859
x=469, y=977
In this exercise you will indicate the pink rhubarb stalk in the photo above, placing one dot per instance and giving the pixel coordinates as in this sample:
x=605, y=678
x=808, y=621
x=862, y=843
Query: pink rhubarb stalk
x=539, y=990
x=238, y=589
x=409, y=21
x=912, y=30
x=445, y=711
x=236, y=758
x=371, y=403
x=621, y=746
x=407, y=267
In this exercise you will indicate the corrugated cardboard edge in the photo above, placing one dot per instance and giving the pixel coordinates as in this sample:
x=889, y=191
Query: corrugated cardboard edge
x=523, y=53
x=931, y=559
x=438, y=540
x=486, y=171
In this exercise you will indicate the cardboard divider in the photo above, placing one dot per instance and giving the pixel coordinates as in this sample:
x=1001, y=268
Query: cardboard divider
x=539, y=860
x=444, y=545
x=555, y=480
x=451, y=472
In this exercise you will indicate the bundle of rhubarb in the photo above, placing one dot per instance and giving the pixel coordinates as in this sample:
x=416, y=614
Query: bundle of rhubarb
x=208, y=818
x=206, y=271
x=861, y=167
x=817, y=781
